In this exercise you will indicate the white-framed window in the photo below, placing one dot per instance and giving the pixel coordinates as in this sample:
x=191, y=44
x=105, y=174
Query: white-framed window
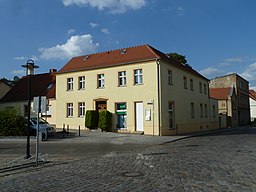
x=122, y=78
x=192, y=110
x=81, y=109
x=171, y=115
x=169, y=77
x=191, y=84
x=70, y=109
x=70, y=84
x=101, y=80
x=81, y=82
x=185, y=82
x=138, y=77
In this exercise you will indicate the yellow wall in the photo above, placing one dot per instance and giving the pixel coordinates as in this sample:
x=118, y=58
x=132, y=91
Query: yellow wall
x=145, y=93
x=130, y=94
x=182, y=98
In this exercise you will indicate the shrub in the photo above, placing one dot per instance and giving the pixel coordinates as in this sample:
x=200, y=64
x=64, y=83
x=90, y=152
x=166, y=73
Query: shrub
x=11, y=123
x=105, y=120
x=91, y=119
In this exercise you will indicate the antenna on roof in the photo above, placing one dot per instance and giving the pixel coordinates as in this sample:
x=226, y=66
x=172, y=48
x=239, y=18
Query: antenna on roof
x=123, y=51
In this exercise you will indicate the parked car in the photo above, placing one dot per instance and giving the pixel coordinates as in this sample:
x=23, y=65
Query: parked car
x=44, y=127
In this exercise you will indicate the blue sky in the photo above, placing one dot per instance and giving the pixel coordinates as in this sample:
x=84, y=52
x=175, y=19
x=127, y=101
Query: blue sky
x=216, y=36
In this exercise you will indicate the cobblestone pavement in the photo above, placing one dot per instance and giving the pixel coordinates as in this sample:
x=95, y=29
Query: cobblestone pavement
x=217, y=162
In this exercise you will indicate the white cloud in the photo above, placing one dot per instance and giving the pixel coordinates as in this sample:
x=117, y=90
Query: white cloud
x=115, y=6
x=180, y=11
x=105, y=31
x=18, y=72
x=76, y=45
x=210, y=71
x=71, y=31
x=21, y=58
x=250, y=73
x=93, y=25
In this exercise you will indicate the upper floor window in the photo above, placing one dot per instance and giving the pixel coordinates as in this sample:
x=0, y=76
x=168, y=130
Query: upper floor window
x=200, y=87
x=81, y=109
x=122, y=78
x=138, y=77
x=101, y=81
x=191, y=85
x=70, y=84
x=69, y=109
x=206, y=110
x=185, y=83
x=205, y=90
x=81, y=82
x=169, y=77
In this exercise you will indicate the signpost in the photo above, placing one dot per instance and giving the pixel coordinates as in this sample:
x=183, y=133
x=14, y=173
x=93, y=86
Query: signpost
x=39, y=106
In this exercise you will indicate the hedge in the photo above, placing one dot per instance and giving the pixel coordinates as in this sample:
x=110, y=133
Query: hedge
x=91, y=119
x=105, y=120
x=11, y=123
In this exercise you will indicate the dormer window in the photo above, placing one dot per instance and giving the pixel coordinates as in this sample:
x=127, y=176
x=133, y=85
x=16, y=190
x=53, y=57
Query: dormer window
x=49, y=86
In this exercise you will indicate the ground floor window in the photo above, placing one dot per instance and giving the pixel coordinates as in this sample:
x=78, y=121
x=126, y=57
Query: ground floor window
x=121, y=113
x=69, y=109
x=171, y=115
x=81, y=109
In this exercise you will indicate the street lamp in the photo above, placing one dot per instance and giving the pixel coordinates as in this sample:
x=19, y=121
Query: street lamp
x=30, y=66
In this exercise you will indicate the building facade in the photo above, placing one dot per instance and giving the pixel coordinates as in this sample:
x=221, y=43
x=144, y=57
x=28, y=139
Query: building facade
x=227, y=105
x=252, y=95
x=242, y=92
x=145, y=90
x=41, y=85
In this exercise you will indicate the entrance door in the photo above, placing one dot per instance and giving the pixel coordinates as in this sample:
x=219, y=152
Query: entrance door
x=139, y=116
x=101, y=105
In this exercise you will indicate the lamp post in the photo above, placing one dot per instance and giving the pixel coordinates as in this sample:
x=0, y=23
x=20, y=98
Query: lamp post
x=30, y=66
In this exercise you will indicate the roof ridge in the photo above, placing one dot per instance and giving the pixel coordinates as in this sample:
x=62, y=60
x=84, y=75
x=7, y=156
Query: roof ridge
x=119, y=49
x=152, y=50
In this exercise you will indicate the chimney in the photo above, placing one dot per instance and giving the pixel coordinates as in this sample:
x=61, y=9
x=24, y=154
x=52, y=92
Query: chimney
x=52, y=70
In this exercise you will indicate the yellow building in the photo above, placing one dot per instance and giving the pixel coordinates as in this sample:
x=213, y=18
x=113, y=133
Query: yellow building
x=145, y=90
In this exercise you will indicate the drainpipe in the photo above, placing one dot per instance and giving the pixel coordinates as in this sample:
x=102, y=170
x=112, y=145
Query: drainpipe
x=159, y=96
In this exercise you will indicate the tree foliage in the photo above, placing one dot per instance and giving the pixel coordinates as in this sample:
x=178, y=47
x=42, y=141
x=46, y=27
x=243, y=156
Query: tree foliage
x=11, y=123
x=178, y=57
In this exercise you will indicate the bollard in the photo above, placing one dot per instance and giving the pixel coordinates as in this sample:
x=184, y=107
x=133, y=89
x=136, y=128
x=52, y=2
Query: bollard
x=63, y=131
x=67, y=129
x=79, y=131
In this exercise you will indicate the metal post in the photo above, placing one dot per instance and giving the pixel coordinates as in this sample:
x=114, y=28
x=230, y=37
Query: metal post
x=63, y=131
x=79, y=131
x=30, y=66
x=67, y=129
x=37, y=133
x=29, y=110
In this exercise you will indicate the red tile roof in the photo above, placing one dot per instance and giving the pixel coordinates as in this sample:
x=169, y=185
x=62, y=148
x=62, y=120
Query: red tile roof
x=220, y=93
x=39, y=85
x=252, y=94
x=130, y=55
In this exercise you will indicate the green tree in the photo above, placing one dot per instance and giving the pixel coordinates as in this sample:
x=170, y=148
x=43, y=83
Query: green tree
x=178, y=57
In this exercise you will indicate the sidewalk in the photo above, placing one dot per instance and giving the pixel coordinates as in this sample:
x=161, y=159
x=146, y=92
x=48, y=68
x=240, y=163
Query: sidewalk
x=96, y=136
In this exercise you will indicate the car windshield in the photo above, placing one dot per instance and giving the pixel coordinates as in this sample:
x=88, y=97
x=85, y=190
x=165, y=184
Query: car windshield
x=41, y=121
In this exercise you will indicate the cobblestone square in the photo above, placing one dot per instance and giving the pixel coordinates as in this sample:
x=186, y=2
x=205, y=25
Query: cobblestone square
x=214, y=162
